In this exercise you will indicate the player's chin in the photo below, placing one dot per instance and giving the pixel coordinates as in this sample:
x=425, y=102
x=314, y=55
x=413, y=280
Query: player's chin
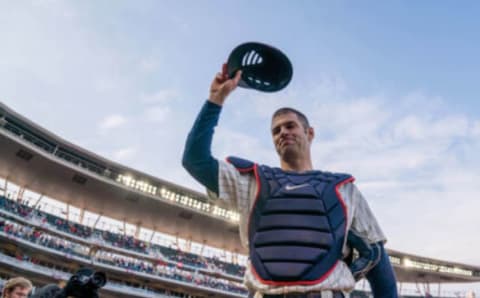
x=287, y=153
x=281, y=149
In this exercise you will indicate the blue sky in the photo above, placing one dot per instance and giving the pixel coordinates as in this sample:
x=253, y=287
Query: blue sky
x=390, y=87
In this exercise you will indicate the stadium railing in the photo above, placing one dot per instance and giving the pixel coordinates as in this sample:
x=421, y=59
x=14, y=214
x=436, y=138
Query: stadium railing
x=111, y=286
x=123, y=242
x=29, y=236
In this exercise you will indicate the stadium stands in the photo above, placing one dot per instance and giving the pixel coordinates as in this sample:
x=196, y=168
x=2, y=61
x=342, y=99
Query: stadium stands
x=131, y=290
x=229, y=268
x=177, y=265
x=117, y=240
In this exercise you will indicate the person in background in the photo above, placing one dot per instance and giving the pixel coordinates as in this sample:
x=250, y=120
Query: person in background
x=17, y=287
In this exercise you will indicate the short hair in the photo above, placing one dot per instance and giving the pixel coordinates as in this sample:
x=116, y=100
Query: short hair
x=300, y=115
x=12, y=283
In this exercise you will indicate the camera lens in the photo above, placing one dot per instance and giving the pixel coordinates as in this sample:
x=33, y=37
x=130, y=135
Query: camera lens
x=99, y=279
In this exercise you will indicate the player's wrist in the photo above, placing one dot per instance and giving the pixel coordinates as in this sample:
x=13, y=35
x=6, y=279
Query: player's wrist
x=216, y=100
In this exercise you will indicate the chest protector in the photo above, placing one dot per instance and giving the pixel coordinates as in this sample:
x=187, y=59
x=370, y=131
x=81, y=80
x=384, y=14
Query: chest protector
x=297, y=224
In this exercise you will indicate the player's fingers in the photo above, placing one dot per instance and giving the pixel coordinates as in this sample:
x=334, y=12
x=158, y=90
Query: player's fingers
x=225, y=69
x=219, y=78
x=237, y=77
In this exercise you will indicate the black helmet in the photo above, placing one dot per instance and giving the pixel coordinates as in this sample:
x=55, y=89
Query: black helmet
x=264, y=68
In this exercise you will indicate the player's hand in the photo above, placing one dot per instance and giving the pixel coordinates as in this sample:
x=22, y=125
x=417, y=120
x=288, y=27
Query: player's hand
x=222, y=85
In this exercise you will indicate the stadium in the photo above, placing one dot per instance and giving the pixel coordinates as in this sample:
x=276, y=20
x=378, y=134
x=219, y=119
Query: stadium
x=62, y=207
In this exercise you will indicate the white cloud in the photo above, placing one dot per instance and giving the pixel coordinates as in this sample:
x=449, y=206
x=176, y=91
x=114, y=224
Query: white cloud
x=326, y=88
x=158, y=114
x=418, y=128
x=357, y=118
x=149, y=64
x=160, y=97
x=125, y=154
x=112, y=122
x=180, y=23
x=476, y=128
x=229, y=142
x=264, y=104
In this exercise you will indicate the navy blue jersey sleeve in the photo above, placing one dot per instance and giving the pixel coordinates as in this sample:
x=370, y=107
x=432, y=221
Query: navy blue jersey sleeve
x=197, y=156
x=382, y=278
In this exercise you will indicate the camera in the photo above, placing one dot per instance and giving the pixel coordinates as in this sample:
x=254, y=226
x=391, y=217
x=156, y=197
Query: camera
x=85, y=283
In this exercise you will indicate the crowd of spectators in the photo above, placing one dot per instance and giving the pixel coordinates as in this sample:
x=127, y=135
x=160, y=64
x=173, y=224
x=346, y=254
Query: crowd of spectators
x=123, y=241
x=168, y=270
x=118, y=240
x=22, y=209
x=229, y=268
x=68, y=226
x=37, y=236
x=181, y=257
x=119, y=286
x=200, y=279
x=16, y=207
x=125, y=262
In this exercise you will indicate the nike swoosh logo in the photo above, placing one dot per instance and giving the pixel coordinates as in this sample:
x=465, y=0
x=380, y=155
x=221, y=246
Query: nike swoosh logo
x=292, y=187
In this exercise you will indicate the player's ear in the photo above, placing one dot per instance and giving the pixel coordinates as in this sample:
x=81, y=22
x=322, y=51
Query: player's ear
x=310, y=134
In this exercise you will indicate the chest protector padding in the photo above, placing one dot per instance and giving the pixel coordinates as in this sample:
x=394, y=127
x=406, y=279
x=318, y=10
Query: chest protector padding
x=297, y=225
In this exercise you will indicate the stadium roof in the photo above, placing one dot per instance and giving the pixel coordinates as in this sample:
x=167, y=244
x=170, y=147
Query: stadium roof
x=413, y=268
x=38, y=160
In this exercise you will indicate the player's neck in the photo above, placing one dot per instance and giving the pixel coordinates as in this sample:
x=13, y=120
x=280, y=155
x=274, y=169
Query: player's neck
x=297, y=165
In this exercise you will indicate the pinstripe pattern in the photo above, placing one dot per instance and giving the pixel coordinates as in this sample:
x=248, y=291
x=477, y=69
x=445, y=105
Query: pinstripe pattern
x=237, y=191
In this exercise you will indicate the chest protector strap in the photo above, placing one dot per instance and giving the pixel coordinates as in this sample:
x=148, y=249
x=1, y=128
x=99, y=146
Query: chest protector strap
x=297, y=224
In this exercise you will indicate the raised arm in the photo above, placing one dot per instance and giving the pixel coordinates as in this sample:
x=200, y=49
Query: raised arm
x=197, y=156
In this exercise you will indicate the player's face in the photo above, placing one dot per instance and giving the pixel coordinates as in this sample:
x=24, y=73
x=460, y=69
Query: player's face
x=19, y=292
x=290, y=137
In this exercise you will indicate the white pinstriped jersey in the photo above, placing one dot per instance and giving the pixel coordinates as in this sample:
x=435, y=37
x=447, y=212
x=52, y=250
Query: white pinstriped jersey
x=237, y=191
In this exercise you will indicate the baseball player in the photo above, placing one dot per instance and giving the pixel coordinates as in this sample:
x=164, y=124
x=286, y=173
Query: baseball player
x=299, y=224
